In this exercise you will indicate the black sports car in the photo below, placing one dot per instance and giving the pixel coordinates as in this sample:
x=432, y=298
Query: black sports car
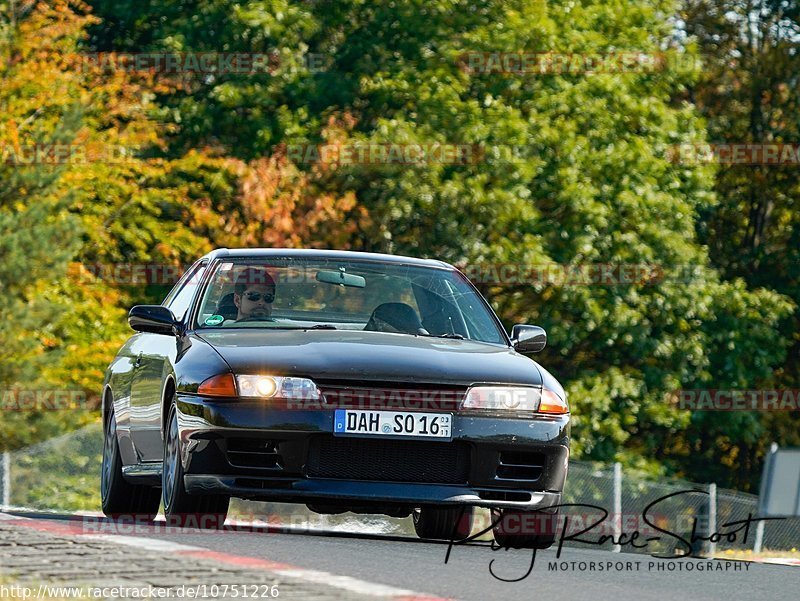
x=346, y=381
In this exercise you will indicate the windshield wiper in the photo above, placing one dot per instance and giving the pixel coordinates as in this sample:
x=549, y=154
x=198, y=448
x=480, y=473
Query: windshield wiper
x=319, y=326
x=452, y=335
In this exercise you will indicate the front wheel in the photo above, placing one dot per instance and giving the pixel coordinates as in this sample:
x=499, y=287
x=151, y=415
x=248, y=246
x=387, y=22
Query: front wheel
x=119, y=498
x=442, y=523
x=180, y=508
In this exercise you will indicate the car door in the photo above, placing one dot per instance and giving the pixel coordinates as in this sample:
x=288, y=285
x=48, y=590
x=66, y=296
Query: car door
x=153, y=363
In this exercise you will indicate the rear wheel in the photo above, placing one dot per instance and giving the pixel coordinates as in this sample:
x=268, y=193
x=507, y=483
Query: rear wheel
x=442, y=523
x=119, y=498
x=181, y=508
x=524, y=529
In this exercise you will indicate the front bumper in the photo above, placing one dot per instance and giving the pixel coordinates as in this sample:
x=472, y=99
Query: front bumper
x=247, y=449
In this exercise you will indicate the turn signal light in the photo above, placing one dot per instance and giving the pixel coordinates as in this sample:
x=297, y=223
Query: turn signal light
x=552, y=403
x=221, y=385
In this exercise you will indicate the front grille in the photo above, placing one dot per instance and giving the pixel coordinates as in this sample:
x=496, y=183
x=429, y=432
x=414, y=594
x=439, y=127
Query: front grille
x=388, y=460
x=397, y=396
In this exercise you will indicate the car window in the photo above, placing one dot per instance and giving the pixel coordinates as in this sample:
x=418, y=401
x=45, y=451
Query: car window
x=478, y=323
x=306, y=292
x=180, y=298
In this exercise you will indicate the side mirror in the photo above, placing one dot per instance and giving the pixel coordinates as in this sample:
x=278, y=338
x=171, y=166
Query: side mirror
x=154, y=319
x=528, y=339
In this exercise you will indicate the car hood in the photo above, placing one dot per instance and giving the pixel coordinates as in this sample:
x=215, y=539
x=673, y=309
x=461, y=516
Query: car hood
x=377, y=356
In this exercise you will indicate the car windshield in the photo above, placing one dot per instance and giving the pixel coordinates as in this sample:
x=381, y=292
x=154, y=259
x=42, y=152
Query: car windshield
x=306, y=293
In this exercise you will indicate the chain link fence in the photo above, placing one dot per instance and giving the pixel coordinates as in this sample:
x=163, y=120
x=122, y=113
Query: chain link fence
x=62, y=474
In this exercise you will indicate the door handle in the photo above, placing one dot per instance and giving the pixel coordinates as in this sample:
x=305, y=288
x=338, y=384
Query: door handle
x=138, y=361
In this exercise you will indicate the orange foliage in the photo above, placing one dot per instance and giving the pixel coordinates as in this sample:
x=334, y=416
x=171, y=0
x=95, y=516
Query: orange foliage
x=283, y=206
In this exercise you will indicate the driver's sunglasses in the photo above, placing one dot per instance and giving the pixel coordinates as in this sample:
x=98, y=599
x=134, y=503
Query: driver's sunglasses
x=254, y=297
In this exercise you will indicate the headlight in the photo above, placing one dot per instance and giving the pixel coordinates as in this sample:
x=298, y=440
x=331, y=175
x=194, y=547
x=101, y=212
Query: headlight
x=513, y=399
x=281, y=387
x=502, y=398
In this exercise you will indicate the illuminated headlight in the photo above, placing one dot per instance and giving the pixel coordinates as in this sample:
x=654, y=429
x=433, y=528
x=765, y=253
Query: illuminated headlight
x=502, y=398
x=278, y=387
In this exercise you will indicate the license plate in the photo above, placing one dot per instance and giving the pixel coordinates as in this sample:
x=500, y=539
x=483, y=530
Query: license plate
x=408, y=424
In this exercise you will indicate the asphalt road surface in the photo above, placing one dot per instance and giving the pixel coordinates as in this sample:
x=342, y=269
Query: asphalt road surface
x=409, y=563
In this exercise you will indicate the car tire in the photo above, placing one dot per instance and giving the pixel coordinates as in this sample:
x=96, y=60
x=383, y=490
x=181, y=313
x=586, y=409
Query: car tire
x=181, y=509
x=441, y=523
x=507, y=526
x=119, y=498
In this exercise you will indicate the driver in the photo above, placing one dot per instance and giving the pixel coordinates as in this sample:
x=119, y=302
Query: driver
x=253, y=294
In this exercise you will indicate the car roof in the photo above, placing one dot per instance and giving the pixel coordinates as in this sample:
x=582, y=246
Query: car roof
x=251, y=253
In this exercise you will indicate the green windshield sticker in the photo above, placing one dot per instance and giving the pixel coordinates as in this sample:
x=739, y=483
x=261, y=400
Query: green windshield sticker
x=214, y=320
